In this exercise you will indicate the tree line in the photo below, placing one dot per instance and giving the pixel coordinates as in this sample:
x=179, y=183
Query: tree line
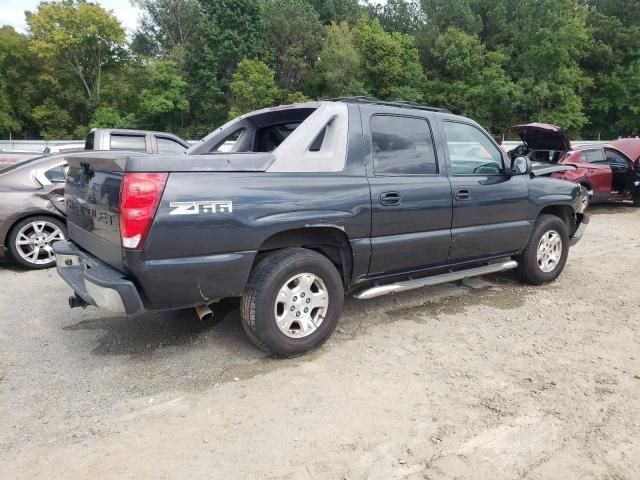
x=193, y=64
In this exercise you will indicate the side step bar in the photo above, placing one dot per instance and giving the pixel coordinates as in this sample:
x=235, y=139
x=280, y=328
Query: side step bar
x=379, y=290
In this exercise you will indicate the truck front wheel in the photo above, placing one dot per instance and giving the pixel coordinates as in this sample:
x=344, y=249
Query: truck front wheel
x=545, y=255
x=292, y=302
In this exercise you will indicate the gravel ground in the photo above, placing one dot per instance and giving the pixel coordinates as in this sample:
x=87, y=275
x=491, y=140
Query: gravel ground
x=485, y=379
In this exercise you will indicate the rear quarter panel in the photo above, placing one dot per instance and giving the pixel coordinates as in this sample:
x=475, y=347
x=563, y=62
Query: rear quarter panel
x=209, y=255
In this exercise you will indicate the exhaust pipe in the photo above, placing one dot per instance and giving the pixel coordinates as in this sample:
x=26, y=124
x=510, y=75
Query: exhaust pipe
x=77, y=301
x=204, y=312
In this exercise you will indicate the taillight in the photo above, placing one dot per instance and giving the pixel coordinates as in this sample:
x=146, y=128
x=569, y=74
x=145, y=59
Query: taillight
x=139, y=199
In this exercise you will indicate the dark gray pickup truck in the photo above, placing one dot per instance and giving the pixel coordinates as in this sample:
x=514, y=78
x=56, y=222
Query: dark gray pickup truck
x=290, y=207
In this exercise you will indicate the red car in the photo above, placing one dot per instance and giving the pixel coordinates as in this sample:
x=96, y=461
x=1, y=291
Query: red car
x=608, y=171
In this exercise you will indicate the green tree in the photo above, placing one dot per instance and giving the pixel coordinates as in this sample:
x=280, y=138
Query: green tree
x=404, y=16
x=253, y=87
x=109, y=117
x=167, y=28
x=54, y=121
x=548, y=41
x=294, y=35
x=19, y=92
x=390, y=62
x=81, y=37
x=164, y=101
x=229, y=31
x=472, y=81
x=338, y=71
x=335, y=11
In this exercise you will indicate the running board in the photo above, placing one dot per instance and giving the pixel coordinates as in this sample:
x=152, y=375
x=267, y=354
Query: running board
x=380, y=290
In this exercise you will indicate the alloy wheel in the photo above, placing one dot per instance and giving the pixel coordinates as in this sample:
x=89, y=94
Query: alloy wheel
x=301, y=305
x=34, y=242
x=549, y=251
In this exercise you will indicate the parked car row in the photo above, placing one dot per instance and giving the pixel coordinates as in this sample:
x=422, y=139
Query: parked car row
x=32, y=207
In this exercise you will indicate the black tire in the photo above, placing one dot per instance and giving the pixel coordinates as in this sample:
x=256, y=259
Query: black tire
x=636, y=201
x=529, y=271
x=14, y=232
x=258, y=304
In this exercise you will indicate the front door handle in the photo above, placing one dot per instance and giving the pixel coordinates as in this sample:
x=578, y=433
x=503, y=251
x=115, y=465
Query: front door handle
x=390, y=198
x=463, y=194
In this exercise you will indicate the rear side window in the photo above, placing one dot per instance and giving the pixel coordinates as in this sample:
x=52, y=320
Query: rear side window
x=55, y=174
x=402, y=146
x=592, y=156
x=128, y=142
x=166, y=145
x=226, y=144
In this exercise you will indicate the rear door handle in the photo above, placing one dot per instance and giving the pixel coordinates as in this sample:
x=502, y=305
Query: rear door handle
x=463, y=194
x=390, y=198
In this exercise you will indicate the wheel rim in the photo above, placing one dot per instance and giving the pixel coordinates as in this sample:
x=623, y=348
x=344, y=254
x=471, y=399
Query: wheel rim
x=34, y=242
x=301, y=305
x=586, y=199
x=549, y=251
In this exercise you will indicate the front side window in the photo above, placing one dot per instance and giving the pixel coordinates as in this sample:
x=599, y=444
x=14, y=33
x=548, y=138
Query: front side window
x=616, y=158
x=402, y=146
x=471, y=152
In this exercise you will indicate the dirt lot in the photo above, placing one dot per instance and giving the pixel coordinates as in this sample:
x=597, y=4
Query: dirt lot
x=487, y=379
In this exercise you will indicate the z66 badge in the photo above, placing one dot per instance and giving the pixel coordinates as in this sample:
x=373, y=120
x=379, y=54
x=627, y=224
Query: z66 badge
x=203, y=207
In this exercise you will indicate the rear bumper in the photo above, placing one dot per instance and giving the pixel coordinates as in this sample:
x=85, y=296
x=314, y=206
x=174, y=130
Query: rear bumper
x=95, y=282
x=582, y=226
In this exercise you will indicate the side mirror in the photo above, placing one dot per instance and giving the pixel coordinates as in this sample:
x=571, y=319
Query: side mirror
x=521, y=166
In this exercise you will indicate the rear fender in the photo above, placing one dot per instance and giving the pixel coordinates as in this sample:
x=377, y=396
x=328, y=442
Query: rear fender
x=330, y=240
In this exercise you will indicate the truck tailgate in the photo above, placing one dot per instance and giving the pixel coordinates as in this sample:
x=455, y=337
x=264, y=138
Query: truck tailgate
x=92, y=198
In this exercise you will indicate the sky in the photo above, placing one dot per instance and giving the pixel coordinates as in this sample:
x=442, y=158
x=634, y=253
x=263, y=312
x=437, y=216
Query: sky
x=12, y=12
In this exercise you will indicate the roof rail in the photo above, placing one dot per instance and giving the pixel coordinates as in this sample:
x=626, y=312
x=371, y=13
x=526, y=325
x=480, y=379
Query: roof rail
x=397, y=103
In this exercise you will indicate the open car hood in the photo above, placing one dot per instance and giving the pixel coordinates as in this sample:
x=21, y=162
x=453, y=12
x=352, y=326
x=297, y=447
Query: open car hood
x=542, y=136
x=629, y=146
x=539, y=169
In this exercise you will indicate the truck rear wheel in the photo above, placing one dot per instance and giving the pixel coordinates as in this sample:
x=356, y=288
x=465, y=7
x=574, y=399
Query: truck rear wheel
x=292, y=302
x=545, y=256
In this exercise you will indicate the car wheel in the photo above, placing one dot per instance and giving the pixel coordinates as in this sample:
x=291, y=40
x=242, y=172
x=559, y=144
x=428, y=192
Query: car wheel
x=545, y=256
x=292, y=302
x=30, y=241
x=636, y=201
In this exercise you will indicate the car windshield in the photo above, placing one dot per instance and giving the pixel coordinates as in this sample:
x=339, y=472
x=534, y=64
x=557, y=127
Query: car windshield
x=7, y=167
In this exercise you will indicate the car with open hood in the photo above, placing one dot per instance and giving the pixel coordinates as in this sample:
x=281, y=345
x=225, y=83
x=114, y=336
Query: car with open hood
x=608, y=171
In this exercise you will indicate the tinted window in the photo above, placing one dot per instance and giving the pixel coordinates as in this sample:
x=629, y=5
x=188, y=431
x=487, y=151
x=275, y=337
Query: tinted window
x=402, y=146
x=593, y=156
x=471, y=152
x=270, y=138
x=166, y=145
x=55, y=174
x=128, y=142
